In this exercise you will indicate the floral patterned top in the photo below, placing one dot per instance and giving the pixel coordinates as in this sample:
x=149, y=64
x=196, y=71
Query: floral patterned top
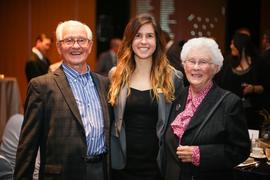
x=182, y=120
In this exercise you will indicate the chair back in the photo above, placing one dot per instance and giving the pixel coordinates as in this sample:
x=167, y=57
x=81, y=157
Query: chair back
x=6, y=171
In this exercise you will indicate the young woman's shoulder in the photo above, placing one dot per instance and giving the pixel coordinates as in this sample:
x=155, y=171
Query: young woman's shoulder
x=111, y=72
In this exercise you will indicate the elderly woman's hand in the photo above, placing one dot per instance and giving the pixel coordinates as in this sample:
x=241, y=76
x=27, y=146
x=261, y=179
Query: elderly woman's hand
x=184, y=153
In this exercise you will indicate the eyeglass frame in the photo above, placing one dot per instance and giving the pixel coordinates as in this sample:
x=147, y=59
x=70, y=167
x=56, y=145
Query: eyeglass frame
x=200, y=62
x=64, y=41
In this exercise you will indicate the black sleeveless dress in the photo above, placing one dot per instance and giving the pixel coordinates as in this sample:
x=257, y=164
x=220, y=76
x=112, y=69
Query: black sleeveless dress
x=140, y=117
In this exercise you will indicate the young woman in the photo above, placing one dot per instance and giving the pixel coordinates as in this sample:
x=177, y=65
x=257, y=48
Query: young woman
x=141, y=93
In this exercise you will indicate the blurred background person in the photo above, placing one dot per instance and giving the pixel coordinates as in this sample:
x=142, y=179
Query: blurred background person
x=10, y=140
x=204, y=150
x=173, y=49
x=38, y=64
x=108, y=59
x=169, y=41
x=265, y=74
x=265, y=68
x=244, y=30
x=55, y=66
x=6, y=171
x=142, y=89
x=240, y=75
x=173, y=55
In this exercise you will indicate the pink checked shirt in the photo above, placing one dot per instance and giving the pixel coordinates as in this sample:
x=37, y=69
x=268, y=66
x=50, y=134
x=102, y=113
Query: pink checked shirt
x=182, y=120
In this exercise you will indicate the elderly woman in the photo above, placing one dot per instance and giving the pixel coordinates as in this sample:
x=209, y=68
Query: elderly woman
x=200, y=145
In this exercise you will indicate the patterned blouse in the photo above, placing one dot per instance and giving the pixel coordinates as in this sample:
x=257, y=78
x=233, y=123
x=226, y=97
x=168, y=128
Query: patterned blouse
x=182, y=120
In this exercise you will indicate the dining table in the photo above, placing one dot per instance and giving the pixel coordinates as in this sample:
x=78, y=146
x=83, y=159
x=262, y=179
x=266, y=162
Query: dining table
x=255, y=167
x=10, y=100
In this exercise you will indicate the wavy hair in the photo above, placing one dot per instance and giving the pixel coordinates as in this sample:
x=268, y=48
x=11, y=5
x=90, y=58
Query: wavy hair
x=161, y=71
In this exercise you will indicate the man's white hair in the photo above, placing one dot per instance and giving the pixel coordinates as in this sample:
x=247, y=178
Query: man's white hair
x=61, y=25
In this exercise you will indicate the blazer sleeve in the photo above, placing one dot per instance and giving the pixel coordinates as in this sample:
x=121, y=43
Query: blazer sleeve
x=30, y=133
x=234, y=146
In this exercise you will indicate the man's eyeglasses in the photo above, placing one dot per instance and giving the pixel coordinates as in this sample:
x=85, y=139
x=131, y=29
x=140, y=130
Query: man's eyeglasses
x=83, y=42
x=201, y=63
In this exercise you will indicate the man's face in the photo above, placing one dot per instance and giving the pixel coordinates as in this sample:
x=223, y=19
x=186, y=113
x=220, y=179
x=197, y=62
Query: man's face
x=74, y=46
x=44, y=45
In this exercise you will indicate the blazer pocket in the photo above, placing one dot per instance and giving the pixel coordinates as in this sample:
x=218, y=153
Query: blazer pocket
x=53, y=169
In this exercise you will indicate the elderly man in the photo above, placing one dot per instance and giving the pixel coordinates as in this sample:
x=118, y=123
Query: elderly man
x=66, y=115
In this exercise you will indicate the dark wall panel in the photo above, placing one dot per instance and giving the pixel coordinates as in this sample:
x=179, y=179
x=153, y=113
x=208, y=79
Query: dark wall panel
x=21, y=21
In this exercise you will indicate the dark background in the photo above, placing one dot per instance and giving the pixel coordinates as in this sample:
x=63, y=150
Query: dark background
x=243, y=14
x=113, y=17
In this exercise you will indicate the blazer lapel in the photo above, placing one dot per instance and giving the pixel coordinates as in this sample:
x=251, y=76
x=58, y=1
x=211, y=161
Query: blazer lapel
x=162, y=109
x=163, y=115
x=177, y=107
x=179, y=104
x=119, y=110
x=66, y=91
x=203, y=109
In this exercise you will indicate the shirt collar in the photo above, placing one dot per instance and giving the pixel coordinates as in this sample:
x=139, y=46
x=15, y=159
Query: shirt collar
x=196, y=101
x=73, y=74
x=37, y=52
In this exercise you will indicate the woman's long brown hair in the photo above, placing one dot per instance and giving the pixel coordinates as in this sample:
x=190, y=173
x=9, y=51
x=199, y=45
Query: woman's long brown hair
x=161, y=71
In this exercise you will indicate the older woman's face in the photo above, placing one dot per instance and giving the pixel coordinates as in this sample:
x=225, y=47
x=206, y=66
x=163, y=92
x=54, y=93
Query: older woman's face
x=199, y=67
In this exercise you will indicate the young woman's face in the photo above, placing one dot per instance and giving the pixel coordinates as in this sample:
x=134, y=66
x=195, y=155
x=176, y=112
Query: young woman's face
x=234, y=50
x=144, y=42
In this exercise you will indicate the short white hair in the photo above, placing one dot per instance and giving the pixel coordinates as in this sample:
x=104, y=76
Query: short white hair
x=61, y=25
x=203, y=42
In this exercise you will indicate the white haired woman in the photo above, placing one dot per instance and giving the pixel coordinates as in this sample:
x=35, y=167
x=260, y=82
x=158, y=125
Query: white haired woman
x=207, y=135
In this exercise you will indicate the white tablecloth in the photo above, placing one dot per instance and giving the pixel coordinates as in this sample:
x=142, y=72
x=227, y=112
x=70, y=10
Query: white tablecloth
x=10, y=100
